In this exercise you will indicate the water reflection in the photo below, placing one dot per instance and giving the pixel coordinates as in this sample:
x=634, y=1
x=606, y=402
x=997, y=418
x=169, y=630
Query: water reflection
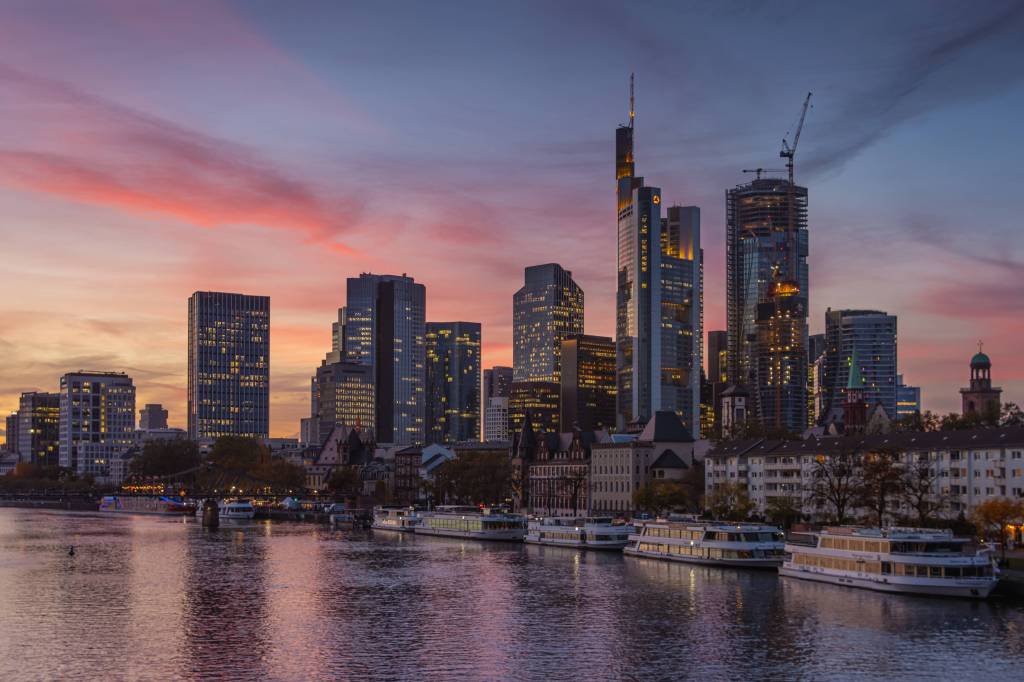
x=154, y=598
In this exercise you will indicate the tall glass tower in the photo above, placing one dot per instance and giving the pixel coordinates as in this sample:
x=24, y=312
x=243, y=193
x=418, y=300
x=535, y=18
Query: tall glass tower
x=453, y=381
x=871, y=334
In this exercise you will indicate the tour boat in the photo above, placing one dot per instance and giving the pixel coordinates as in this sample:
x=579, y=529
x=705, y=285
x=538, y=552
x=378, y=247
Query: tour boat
x=129, y=504
x=472, y=523
x=580, y=533
x=398, y=519
x=740, y=545
x=237, y=509
x=904, y=560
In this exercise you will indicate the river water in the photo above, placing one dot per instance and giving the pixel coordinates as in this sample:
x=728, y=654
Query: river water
x=164, y=599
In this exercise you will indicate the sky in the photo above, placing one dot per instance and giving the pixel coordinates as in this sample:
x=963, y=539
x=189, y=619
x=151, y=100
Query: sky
x=149, y=150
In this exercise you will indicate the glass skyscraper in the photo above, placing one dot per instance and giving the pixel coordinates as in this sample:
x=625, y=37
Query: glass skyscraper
x=588, y=383
x=453, y=381
x=37, y=431
x=873, y=334
x=228, y=365
x=343, y=395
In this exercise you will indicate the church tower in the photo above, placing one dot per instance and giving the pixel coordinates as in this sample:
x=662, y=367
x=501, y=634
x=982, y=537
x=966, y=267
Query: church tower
x=980, y=397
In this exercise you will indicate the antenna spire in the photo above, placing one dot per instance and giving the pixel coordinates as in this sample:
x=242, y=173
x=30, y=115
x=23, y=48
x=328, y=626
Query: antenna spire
x=632, y=110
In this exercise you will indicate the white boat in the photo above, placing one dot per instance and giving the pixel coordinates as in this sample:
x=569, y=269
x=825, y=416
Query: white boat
x=162, y=505
x=237, y=509
x=581, y=533
x=902, y=560
x=398, y=519
x=472, y=523
x=740, y=545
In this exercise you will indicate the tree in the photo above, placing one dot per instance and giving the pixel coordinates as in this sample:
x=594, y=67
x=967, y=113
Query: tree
x=921, y=491
x=992, y=518
x=473, y=478
x=880, y=482
x=919, y=421
x=165, y=457
x=662, y=496
x=835, y=483
x=644, y=500
x=573, y=484
x=783, y=511
x=729, y=501
x=1011, y=415
x=345, y=481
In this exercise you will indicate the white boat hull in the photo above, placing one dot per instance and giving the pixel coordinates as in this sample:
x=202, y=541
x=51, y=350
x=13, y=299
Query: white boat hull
x=689, y=559
x=608, y=546
x=970, y=588
x=508, y=535
x=393, y=529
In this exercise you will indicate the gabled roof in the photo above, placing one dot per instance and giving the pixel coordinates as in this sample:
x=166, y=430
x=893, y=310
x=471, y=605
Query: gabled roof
x=665, y=427
x=669, y=460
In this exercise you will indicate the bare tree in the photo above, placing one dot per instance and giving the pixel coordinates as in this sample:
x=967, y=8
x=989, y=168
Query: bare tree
x=573, y=484
x=921, y=491
x=880, y=483
x=835, y=483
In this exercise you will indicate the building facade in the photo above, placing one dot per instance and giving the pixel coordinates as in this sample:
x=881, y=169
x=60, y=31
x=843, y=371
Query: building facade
x=872, y=335
x=908, y=399
x=981, y=397
x=497, y=384
x=547, y=310
x=496, y=426
x=342, y=395
x=97, y=420
x=11, y=440
x=587, y=386
x=228, y=365
x=38, y=429
x=152, y=417
x=453, y=381
x=540, y=399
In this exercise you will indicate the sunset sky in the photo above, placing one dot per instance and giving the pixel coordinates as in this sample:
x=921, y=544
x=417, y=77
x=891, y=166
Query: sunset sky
x=149, y=150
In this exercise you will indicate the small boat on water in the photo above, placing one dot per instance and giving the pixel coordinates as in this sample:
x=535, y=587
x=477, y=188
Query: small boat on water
x=237, y=509
x=472, y=523
x=130, y=504
x=398, y=519
x=579, y=533
x=737, y=545
x=902, y=560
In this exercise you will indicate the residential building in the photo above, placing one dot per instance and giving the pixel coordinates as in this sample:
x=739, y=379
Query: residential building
x=908, y=399
x=587, y=386
x=228, y=365
x=872, y=333
x=152, y=417
x=38, y=428
x=453, y=381
x=980, y=397
x=383, y=325
x=97, y=420
x=496, y=420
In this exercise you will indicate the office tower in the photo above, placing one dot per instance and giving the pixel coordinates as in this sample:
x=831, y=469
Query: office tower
x=717, y=356
x=815, y=350
x=38, y=428
x=152, y=416
x=541, y=400
x=497, y=382
x=97, y=420
x=908, y=399
x=11, y=433
x=383, y=326
x=767, y=299
x=453, y=381
x=343, y=394
x=981, y=398
x=587, y=386
x=228, y=365
x=658, y=321
x=872, y=333
x=496, y=419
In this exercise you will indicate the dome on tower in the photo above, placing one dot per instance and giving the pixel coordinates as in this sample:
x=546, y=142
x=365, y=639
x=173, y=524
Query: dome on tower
x=980, y=360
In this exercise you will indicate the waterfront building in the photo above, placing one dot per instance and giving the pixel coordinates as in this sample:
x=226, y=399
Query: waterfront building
x=908, y=399
x=558, y=471
x=767, y=289
x=38, y=429
x=496, y=420
x=343, y=394
x=872, y=334
x=659, y=313
x=587, y=387
x=152, y=417
x=228, y=365
x=97, y=420
x=980, y=397
x=383, y=325
x=453, y=381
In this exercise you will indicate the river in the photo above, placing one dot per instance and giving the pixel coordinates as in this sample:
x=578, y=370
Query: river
x=157, y=598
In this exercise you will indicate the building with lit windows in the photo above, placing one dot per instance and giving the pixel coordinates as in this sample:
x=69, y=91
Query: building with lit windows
x=228, y=365
x=38, y=428
x=587, y=386
x=540, y=399
x=97, y=420
x=872, y=335
x=453, y=381
x=767, y=292
x=383, y=325
x=497, y=384
x=908, y=399
x=496, y=420
x=343, y=395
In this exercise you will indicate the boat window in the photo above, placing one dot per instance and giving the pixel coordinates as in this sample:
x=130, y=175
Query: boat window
x=886, y=568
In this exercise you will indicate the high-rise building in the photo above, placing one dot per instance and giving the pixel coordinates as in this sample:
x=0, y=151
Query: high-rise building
x=659, y=313
x=97, y=420
x=497, y=382
x=908, y=399
x=496, y=419
x=153, y=416
x=872, y=333
x=767, y=299
x=383, y=326
x=717, y=356
x=815, y=351
x=228, y=365
x=38, y=428
x=343, y=394
x=11, y=433
x=540, y=399
x=453, y=381
x=587, y=386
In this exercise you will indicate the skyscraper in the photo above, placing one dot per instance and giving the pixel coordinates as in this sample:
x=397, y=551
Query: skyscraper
x=587, y=393
x=658, y=321
x=228, y=365
x=343, y=394
x=38, y=428
x=908, y=399
x=97, y=420
x=383, y=326
x=497, y=382
x=767, y=299
x=152, y=416
x=453, y=381
x=11, y=433
x=496, y=391
x=872, y=333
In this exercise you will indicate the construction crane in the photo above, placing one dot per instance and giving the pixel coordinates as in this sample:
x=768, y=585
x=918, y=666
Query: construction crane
x=761, y=171
x=789, y=152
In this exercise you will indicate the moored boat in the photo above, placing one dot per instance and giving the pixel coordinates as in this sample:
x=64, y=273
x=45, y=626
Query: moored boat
x=472, y=523
x=398, y=519
x=129, y=504
x=237, y=509
x=901, y=560
x=737, y=545
x=577, y=532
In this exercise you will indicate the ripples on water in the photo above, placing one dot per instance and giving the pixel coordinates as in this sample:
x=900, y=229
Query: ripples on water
x=153, y=598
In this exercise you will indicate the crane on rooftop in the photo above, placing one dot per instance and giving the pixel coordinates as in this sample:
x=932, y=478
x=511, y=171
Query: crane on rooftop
x=789, y=152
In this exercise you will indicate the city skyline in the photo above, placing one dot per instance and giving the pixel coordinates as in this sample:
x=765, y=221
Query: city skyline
x=126, y=189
